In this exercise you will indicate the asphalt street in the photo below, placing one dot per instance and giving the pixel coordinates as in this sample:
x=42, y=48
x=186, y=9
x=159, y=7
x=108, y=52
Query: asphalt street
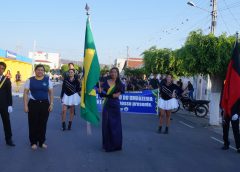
x=188, y=146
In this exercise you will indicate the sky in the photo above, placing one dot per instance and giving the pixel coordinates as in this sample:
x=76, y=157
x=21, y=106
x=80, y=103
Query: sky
x=59, y=25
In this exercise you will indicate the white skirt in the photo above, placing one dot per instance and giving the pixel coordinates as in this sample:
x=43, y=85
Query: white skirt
x=71, y=100
x=168, y=104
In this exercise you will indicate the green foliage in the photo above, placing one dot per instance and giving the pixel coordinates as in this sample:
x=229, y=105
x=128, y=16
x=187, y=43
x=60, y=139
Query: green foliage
x=64, y=68
x=47, y=68
x=104, y=70
x=206, y=54
x=134, y=72
x=201, y=54
x=79, y=68
x=149, y=57
x=161, y=61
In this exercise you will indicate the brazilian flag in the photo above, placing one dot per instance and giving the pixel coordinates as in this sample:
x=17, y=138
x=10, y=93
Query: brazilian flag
x=91, y=73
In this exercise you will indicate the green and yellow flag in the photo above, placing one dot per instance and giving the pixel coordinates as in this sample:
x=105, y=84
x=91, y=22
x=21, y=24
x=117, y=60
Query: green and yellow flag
x=91, y=73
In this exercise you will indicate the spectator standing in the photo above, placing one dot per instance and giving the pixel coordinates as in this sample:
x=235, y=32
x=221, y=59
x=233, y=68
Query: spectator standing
x=18, y=81
x=154, y=83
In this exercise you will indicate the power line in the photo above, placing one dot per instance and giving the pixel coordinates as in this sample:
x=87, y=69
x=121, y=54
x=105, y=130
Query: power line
x=170, y=32
x=224, y=22
x=231, y=12
x=197, y=25
x=233, y=5
x=194, y=26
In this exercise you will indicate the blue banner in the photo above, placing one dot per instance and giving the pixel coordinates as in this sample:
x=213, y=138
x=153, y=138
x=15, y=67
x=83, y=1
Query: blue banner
x=136, y=102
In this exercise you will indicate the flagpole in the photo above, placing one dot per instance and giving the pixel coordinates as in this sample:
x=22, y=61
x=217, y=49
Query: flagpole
x=87, y=8
x=88, y=127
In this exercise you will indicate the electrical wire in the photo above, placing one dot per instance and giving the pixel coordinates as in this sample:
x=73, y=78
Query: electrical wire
x=229, y=6
x=231, y=13
x=221, y=16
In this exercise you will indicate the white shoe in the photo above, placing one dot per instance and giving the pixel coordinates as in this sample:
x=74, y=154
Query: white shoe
x=44, y=146
x=34, y=146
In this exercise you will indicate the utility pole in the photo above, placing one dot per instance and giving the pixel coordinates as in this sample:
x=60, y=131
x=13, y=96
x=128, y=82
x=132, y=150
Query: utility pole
x=34, y=45
x=127, y=52
x=214, y=16
x=213, y=29
x=33, y=55
x=127, y=55
x=214, y=116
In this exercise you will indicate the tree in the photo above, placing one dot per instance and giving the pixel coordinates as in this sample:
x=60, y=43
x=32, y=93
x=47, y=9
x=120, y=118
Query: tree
x=47, y=68
x=139, y=72
x=79, y=68
x=104, y=70
x=201, y=54
x=207, y=54
x=162, y=61
x=64, y=68
x=149, y=57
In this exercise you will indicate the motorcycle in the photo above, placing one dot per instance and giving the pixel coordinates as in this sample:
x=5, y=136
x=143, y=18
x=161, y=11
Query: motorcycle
x=199, y=107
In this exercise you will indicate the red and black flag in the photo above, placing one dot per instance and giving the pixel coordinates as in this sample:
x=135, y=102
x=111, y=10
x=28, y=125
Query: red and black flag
x=230, y=100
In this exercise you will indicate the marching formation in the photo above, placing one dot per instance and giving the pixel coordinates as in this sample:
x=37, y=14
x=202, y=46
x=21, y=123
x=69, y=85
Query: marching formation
x=38, y=103
x=38, y=98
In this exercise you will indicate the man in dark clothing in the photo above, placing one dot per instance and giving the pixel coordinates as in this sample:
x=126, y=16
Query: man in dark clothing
x=154, y=83
x=6, y=104
x=234, y=119
x=179, y=89
x=104, y=77
x=163, y=81
x=190, y=89
x=180, y=83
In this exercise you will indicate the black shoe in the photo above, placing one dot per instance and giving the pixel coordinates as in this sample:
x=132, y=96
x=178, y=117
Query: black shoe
x=63, y=126
x=225, y=147
x=159, y=129
x=113, y=150
x=10, y=143
x=69, y=125
x=166, y=130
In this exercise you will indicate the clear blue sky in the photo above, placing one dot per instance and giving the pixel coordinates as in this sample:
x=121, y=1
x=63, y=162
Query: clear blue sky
x=59, y=25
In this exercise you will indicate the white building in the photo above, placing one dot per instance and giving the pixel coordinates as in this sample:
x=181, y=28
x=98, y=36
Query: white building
x=51, y=59
x=119, y=63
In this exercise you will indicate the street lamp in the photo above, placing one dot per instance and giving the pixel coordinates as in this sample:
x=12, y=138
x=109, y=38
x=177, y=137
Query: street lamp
x=191, y=3
x=213, y=13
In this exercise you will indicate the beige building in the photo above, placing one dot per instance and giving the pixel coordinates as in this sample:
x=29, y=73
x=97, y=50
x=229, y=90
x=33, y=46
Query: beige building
x=51, y=59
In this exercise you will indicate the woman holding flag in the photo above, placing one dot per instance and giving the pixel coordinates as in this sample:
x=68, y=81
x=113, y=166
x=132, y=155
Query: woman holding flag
x=111, y=116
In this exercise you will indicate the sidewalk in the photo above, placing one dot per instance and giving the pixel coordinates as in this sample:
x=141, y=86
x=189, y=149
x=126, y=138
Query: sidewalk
x=21, y=88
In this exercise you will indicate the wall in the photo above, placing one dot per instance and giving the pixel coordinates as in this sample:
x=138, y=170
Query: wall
x=22, y=64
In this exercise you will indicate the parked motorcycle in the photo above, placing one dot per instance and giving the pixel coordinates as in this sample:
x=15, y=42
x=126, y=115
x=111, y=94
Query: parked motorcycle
x=198, y=107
